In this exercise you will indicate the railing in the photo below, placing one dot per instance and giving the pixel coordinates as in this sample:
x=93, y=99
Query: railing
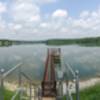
x=75, y=75
x=21, y=91
x=3, y=76
x=33, y=89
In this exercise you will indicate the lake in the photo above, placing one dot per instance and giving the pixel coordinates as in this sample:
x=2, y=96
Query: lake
x=84, y=59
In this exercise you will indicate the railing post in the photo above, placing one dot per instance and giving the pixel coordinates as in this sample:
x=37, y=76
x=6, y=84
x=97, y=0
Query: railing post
x=39, y=94
x=2, y=85
x=30, y=91
x=77, y=85
x=60, y=88
x=20, y=82
x=2, y=89
x=34, y=93
x=67, y=90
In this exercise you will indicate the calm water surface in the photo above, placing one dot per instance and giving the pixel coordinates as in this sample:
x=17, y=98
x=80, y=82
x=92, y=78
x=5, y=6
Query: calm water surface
x=84, y=59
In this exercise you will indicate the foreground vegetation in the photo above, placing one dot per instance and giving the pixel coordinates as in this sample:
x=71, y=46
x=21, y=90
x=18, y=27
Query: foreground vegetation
x=8, y=94
x=92, y=93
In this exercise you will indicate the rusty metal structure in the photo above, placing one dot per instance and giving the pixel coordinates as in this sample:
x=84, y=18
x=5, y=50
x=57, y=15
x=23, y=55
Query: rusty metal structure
x=49, y=80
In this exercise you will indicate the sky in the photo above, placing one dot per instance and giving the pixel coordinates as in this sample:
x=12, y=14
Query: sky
x=45, y=19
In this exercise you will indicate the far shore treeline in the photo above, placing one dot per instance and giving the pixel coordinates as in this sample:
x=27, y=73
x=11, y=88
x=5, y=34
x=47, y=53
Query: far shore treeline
x=94, y=41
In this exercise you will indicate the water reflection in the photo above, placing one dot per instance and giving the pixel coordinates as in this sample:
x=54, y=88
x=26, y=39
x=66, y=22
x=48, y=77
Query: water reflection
x=85, y=59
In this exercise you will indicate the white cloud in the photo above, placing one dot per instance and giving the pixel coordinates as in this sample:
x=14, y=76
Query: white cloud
x=17, y=26
x=3, y=8
x=25, y=11
x=84, y=14
x=46, y=1
x=44, y=25
x=28, y=22
x=59, y=25
x=38, y=1
x=60, y=13
x=2, y=24
x=35, y=18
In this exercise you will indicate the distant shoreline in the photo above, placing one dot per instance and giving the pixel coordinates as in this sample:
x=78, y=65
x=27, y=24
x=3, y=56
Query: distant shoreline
x=92, y=41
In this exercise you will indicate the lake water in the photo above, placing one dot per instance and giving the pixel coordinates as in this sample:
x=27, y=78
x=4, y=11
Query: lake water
x=84, y=59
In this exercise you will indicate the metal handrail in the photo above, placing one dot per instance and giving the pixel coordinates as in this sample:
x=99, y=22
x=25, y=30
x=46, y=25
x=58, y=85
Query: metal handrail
x=19, y=89
x=76, y=76
x=31, y=84
x=11, y=70
x=70, y=69
x=16, y=94
x=29, y=79
x=3, y=76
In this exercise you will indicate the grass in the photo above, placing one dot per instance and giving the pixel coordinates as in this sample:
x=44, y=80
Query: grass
x=92, y=93
x=8, y=94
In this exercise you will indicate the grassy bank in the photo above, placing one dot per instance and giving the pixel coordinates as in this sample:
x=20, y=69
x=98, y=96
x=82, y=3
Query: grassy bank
x=91, y=93
x=8, y=94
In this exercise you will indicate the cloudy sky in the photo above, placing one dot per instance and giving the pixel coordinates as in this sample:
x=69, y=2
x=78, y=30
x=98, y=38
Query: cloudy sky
x=43, y=19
